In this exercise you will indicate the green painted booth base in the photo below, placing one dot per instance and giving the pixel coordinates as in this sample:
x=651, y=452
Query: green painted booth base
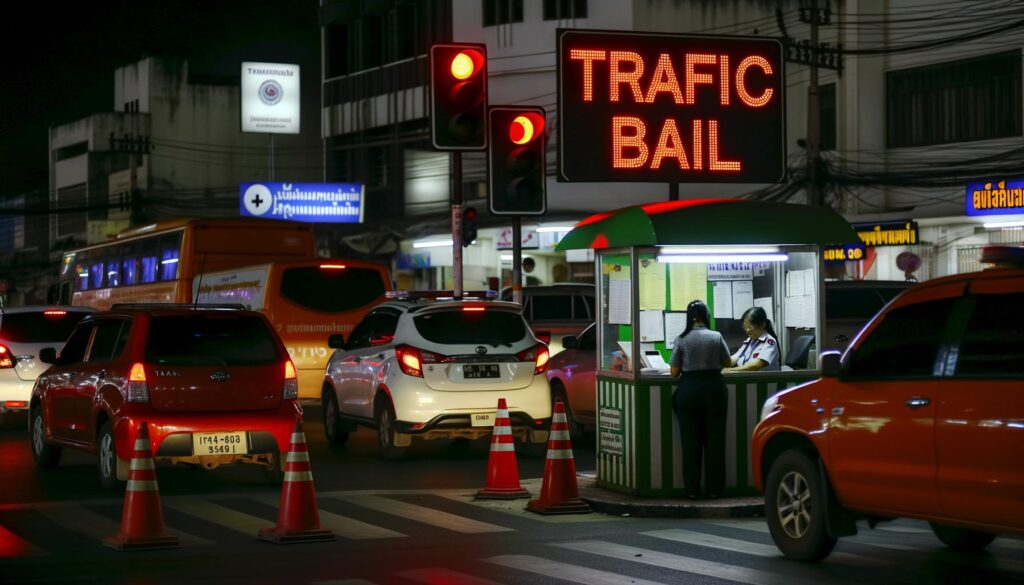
x=639, y=451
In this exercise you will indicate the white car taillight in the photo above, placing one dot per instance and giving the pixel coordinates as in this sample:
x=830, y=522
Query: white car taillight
x=138, y=389
x=291, y=382
x=6, y=359
x=537, y=354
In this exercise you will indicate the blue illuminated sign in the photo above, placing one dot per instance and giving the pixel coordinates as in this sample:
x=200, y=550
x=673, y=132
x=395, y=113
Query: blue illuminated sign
x=310, y=202
x=1005, y=197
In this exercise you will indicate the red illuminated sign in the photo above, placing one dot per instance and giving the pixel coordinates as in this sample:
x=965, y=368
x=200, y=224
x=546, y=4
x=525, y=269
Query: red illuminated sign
x=670, y=108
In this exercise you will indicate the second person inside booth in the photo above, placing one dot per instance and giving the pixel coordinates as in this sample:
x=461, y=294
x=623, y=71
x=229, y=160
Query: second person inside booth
x=760, y=350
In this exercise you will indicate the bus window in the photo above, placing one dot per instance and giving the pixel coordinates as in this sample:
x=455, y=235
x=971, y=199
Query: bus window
x=96, y=274
x=129, y=265
x=113, y=275
x=332, y=289
x=170, y=252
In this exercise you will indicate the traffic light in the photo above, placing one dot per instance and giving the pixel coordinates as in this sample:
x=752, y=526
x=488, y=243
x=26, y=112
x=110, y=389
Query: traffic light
x=515, y=163
x=458, y=90
x=468, y=225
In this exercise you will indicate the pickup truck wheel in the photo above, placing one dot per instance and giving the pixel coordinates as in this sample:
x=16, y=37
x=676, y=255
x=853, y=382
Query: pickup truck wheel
x=332, y=419
x=45, y=454
x=795, y=507
x=386, y=432
x=962, y=539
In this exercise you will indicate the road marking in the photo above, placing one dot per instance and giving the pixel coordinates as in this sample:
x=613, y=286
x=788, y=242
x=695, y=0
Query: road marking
x=518, y=509
x=903, y=529
x=754, y=548
x=221, y=515
x=682, y=563
x=342, y=526
x=425, y=515
x=750, y=525
x=12, y=546
x=439, y=576
x=762, y=528
x=98, y=526
x=566, y=571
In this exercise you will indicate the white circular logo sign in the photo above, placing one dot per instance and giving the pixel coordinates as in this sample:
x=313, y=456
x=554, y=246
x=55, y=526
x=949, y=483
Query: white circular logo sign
x=257, y=199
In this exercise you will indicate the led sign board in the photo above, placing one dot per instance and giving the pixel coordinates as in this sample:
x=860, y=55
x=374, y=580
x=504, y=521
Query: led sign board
x=1005, y=197
x=897, y=233
x=312, y=202
x=847, y=253
x=670, y=108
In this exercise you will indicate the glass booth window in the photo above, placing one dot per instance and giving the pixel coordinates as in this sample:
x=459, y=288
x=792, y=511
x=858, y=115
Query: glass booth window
x=616, y=314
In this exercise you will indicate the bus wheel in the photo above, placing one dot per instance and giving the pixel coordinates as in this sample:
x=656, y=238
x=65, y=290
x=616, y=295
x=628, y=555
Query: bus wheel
x=332, y=419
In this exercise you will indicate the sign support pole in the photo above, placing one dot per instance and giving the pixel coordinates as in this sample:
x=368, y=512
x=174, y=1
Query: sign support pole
x=270, y=158
x=456, y=187
x=517, y=259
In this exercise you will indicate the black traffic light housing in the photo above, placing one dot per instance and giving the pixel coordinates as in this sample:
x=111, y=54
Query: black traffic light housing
x=468, y=225
x=458, y=96
x=516, y=161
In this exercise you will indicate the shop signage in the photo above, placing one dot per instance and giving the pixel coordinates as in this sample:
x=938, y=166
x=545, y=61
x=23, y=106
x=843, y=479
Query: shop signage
x=731, y=271
x=312, y=202
x=1005, y=197
x=611, y=444
x=897, y=233
x=270, y=98
x=850, y=252
x=670, y=108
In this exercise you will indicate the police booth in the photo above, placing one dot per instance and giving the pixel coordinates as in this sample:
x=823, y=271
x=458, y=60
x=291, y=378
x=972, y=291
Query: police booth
x=651, y=261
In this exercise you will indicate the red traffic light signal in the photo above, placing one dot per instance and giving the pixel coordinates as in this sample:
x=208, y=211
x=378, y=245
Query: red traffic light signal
x=516, y=161
x=468, y=225
x=458, y=92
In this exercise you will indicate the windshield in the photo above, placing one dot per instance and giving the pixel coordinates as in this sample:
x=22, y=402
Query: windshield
x=458, y=327
x=211, y=339
x=39, y=327
x=332, y=289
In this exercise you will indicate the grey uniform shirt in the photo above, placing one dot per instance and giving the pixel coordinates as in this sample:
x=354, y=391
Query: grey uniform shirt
x=702, y=349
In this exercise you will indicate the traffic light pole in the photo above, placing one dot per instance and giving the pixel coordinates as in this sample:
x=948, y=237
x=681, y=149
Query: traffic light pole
x=456, y=188
x=517, y=259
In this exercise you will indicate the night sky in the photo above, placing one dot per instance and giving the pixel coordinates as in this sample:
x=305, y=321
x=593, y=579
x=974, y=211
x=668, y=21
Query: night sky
x=60, y=59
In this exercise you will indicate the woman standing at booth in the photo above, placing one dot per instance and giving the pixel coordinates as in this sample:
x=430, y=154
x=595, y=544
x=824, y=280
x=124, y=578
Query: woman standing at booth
x=701, y=401
x=760, y=351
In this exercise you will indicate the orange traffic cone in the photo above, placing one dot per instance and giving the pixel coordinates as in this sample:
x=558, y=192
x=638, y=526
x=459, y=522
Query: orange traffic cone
x=559, y=493
x=298, y=519
x=142, y=520
x=502, y=471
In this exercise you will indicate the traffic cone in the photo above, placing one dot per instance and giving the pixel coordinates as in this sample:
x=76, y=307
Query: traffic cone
x=142, y=519
x=502, y=471
x=559, y=493
x=298, y=519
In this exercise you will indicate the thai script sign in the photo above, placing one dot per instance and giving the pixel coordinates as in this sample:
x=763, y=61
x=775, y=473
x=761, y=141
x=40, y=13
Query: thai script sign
x=1003, y=197
x=899, y=233
x=312, y=202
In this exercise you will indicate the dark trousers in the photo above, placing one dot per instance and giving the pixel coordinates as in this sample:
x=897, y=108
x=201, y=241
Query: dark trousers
x=701, y=402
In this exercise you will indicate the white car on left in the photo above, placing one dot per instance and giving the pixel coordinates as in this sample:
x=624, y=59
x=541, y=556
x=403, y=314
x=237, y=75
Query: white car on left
x=23, y=332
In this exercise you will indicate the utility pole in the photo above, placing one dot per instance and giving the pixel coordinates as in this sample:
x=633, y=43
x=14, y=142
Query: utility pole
x=814, y=194
x=456, y=187
x=135, y=146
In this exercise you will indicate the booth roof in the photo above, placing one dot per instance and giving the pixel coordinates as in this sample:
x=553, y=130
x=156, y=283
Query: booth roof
x=703, y=222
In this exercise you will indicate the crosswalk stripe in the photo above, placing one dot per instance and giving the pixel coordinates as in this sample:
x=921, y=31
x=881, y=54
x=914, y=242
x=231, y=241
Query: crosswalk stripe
x=904, y=529
x=566, y=571
x=221, y=515
x=518, y=509
x=762, y=528
x=753, y=548
x=682, y=563
x=12, y=546
x=440, y=576
x=343, y=526
x=98, y=526
x=425, y=515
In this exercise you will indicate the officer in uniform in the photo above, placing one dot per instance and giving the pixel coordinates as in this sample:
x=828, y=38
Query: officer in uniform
x=760, y=351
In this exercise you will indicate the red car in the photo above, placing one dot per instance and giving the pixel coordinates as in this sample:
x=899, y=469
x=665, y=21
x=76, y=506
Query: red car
x=572, y=375
x=215, y=385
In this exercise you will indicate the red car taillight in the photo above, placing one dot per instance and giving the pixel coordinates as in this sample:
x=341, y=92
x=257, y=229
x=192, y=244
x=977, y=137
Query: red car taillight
x=291, y=382
x=6, y=359
x=411, y=359
x=138, y=389
x=537, y=354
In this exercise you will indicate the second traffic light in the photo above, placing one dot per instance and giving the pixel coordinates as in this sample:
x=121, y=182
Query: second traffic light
x=516, y=161
x=458, y=92
x=468, y=225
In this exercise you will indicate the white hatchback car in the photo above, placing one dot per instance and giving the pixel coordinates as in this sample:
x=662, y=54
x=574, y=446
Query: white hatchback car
x=23, y=332
x=432, y=368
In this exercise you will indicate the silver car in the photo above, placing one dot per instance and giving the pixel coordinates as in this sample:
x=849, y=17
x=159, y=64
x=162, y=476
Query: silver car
x=436, y=369
x=23, y=332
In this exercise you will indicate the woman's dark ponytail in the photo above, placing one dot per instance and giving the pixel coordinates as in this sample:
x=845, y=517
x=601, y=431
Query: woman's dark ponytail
x=696, y=311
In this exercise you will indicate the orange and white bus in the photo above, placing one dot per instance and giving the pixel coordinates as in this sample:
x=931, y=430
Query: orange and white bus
x=306, y=300
x=155, y=263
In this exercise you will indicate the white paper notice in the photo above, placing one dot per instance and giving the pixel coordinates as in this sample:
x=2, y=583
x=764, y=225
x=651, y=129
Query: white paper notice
x=619, y=308
x=766, y=304
x=810, y=317
x=810, y=285
x=652, y=326
x=742, y=297
x=794, y=310
x=675, y=323
x=723, y=299
x=795, y=283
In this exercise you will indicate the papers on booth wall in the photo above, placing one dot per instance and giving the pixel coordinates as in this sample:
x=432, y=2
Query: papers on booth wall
x=652, y=285
x=766, y=304
x=653, y=360
x=742, y=297
x=619, y=305
x=688, y=282
x=652, y=327
x=723, y=299
x=675, y=324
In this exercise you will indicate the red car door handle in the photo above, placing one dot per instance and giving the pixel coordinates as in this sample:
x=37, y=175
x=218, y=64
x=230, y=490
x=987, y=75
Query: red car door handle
x=918, y=402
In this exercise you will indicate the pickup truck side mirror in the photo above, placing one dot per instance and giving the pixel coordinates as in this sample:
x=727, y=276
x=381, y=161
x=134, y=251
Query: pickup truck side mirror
x=570, y=342
x=830, y=364
x=336, y=341
x=48, y=355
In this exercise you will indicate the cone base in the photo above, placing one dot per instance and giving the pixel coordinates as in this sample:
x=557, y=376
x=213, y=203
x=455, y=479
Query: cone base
x=121, y=542
x=295, y=536
x=575, y=506
x=502, y=494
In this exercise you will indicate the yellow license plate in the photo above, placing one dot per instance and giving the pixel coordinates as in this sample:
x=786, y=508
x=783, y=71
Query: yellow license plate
x=232, y=443
x=482, y=419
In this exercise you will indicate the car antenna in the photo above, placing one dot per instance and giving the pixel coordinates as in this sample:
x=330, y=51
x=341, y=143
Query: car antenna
x=199, y=285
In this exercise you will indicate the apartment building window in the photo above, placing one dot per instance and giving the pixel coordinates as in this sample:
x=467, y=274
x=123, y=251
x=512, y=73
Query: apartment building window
x=502, y=11
x=406, y=31
x=336, y=52
x=372, y=29
x=827, y=116
x=564, y=9
x=961, y=101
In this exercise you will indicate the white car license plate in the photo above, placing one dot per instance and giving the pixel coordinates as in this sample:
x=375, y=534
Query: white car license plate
x=474, y=371
x=482, y=419
x=232, y=443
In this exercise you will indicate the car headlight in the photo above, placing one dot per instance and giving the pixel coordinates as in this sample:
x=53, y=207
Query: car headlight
x=770, y=406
